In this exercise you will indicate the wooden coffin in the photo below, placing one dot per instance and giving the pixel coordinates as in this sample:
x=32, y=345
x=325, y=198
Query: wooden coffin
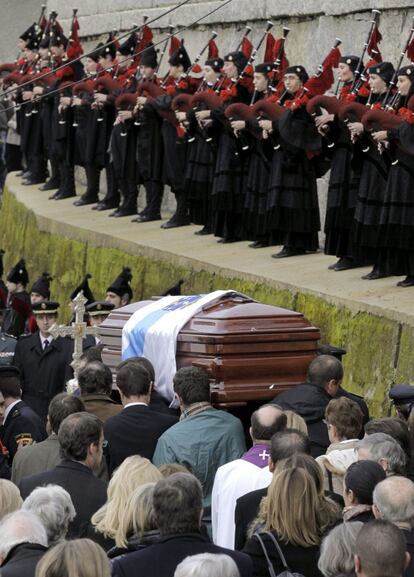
x=252, y=351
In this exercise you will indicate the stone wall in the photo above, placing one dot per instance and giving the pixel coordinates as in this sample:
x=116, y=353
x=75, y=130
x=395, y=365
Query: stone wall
x=314, y=23
x=16, y=17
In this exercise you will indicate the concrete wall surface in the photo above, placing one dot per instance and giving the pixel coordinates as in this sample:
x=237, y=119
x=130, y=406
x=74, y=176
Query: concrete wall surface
x=16, y=17
x=314, y=23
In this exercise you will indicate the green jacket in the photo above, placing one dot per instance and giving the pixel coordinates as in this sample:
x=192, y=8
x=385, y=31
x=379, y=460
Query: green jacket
x=202, y=443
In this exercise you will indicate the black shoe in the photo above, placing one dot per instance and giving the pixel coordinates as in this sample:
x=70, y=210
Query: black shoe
x=26, y=174
x=203, y=231
x=227, y=240
x=84, y=200
x=55, y=195
x=374, y=275
x=258, y=244
x=346, y=263
x=176, y=222
x=63, y=195
x=32, y=181
x=105, y=205
x=335, y=264
x=288, y=251
x=50, y=185
x=407, y=282
x=123, y=211
x=146, y=218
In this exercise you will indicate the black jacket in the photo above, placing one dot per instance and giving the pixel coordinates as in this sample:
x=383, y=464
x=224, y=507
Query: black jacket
x=135, y=431
x=409, y=537
x=302, y=560
x=22, y=427
x=43, y=372
x=21, y=561
x=162, y=558
x=135, y=544
x=87, y=492
x=310, y=401
x=247, y=508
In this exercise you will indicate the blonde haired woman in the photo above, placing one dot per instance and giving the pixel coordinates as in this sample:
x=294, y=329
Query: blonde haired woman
x=10, y=499
x=295, y=421
x=296, y=514
x=78, y=558
x=132, y=473
x=137, y=528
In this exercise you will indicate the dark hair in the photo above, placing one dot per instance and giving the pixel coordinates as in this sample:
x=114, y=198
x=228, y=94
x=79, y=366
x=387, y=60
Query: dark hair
x=395, y=428
x=347, y=417
x=381, y=549
x=361, y=478
x=323, y=369
x=95, y=377
x=61, y=406
x=192, y=385
x=288, y=443
x=10, y=387
x=178, y=500
x=142, y=362
x=92, y=354
x=76, y=433
x=133, y=380
x=264, y=432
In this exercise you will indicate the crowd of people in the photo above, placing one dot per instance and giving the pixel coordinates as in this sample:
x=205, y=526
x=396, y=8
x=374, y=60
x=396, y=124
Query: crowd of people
x=104, y=481
x=240, y=143
x=100, y=487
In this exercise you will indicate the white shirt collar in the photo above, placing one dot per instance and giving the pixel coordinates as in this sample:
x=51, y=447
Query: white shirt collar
x=9, y=409
x=49, y=339
x=134, y=404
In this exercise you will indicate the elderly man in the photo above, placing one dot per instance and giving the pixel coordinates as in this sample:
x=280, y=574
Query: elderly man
x=81, y=443
x=394, y=501
x=23, y=542
x=380, y=551
x=383, y=449
x=177, y=511
x=54, y=507
x=246, y=474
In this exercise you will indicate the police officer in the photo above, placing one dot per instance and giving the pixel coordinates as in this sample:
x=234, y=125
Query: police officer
x=403, y=398
x=20, y=424
x=44, y=361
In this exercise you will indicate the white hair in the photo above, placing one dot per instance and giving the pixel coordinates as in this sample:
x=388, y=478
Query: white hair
x=207, y=565
x=53, y=505
x=21, y=527
x=382, y=446
x=394, y=499
x=338, y=548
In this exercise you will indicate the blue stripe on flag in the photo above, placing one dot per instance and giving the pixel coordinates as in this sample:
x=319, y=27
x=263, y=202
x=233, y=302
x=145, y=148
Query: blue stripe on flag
x=137, y=335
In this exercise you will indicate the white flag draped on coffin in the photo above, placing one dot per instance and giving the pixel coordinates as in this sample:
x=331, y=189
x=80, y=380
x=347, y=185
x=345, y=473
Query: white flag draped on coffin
x=152, y=332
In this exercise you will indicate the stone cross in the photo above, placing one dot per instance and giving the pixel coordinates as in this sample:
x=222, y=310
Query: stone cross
x=78, y=331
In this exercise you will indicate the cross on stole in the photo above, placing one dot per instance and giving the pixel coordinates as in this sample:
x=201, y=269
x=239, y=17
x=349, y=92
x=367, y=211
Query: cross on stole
x=78, y=331
x=264, y=454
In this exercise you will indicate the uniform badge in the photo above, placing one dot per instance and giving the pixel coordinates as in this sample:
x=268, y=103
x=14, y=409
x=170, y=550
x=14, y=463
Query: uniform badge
x=23, y=440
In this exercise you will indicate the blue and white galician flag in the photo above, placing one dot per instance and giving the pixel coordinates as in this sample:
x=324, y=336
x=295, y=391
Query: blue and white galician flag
x=152, y=332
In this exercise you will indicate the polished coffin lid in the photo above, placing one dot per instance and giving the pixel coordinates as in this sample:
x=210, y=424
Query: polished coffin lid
x=251, y=350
